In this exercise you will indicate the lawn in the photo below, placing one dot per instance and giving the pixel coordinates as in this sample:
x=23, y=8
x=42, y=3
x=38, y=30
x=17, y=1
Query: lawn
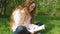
x=52, y=25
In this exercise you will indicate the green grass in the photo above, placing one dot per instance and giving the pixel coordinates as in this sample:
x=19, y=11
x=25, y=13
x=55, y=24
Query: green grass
x=4, y=26
x=52, y=25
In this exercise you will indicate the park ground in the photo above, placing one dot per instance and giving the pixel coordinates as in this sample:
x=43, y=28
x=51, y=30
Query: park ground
x=52, y=25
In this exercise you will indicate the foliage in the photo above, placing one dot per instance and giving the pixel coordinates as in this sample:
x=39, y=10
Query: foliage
x=12, y=5
x=49, y=7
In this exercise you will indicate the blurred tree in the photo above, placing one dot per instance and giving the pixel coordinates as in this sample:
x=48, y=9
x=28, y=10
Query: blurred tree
x=3, y=7
x=0, y=7
x=43, y=7
x=48, y=7
x=12, y=4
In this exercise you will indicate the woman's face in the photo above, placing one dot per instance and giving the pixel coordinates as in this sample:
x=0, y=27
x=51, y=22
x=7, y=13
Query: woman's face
x=31, y=7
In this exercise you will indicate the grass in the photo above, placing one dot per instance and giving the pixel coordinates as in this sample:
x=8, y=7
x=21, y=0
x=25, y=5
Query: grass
x=4, y=26
x=52, y=25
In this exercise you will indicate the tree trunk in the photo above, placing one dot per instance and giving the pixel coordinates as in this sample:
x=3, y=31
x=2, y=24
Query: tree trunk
x=4, y=7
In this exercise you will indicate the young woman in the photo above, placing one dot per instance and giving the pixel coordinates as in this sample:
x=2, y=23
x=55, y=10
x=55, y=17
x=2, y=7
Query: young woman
x=23, y=15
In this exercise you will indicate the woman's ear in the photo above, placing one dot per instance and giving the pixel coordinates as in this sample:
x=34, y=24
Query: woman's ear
x=31, y=7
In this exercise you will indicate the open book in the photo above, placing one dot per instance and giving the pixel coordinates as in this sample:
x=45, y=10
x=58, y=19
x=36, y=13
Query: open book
x=35, y=28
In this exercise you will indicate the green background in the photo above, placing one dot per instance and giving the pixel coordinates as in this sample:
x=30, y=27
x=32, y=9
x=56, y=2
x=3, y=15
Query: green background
x=47, y=12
